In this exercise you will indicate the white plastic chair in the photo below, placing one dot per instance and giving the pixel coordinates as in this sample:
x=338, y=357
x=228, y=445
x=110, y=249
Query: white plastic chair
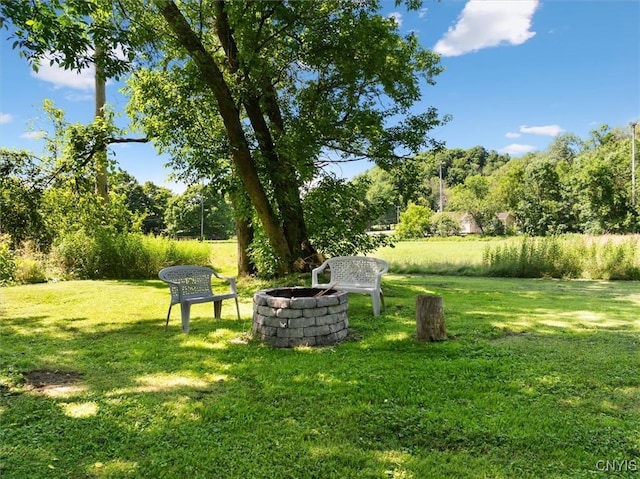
x=354, y=274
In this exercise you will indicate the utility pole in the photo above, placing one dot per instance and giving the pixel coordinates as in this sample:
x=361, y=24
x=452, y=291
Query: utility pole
x=633, y=163
x=201, y=216
x=440, y=205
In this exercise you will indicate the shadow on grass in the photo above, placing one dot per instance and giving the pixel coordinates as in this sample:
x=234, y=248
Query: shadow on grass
x=523, y=384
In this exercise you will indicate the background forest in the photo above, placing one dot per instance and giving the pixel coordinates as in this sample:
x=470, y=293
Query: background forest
x=576, y=186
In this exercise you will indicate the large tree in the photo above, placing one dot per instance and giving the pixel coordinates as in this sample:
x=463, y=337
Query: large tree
x=288, y=91
x=474, y=197
x=295, y=84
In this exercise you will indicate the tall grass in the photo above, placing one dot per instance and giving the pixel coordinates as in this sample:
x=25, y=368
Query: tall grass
x=533, y=258
x=569, y=256
x=611, y=258
x=122, y=255
x=108, y=255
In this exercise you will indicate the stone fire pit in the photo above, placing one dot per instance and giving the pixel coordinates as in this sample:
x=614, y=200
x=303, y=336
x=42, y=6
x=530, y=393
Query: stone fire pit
x=288, y=317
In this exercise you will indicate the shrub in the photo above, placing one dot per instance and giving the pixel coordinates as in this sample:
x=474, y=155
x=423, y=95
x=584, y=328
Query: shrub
x=337, y=213
x=7, y=260
x=444, y=225
x=169, y=252
x=30, y=264
x=415, y=222
x=263, y=256
x=107, y=254
x=29, y=271
x=74, y=254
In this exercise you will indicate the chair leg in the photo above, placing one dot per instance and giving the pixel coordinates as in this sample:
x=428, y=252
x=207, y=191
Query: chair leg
x=217, y=309
x=375, y=299
x=185, y=311
x=382, y=299
x=237, y=307
x=166, y=325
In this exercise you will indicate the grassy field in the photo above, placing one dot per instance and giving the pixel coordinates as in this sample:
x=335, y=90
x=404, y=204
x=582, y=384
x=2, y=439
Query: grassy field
x=441, y=256
x=538, y=378
x=460, y=256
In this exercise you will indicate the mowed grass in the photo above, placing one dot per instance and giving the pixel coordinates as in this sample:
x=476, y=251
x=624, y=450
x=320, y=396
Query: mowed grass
x=538, y=378
x=458, y=256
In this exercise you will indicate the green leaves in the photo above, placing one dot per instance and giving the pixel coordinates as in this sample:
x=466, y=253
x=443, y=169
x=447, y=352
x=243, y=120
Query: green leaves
x=66, y=32
x=267, y=90
x=415, y=222
x=180, y=116
x=338, y=214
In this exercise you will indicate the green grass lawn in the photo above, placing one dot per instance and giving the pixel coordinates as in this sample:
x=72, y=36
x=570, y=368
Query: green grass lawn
x=538, y=379
x=459, y=256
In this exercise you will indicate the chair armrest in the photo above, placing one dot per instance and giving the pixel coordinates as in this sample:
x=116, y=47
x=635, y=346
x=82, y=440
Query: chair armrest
x=316, y=271
x=215, y=273
x=230, y=280
x=178, y=287
x=383, y=270
x=232, y=284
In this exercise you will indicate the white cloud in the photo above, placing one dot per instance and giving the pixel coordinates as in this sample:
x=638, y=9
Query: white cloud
x=5, y=118
x=547, y=130
x=517, y=149
x=61, y=78
x=397, y=17
x=513, y=135
x=66, y=78
x=423, y=12
x=34, y=135
x=488, y=23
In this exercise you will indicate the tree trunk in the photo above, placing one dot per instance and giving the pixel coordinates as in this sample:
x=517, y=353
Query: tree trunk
x=230, y=114
x=293, y=215
x=284, y=179
x=244, y=230
x=244, y=234
x=430, y=324
x=282, y=174
x=100, y=157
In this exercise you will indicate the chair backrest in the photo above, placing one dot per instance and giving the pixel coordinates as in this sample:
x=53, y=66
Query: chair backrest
x=193, y=280
x=359, y=270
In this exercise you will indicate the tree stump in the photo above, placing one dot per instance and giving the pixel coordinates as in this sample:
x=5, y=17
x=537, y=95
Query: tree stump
x=430, y=318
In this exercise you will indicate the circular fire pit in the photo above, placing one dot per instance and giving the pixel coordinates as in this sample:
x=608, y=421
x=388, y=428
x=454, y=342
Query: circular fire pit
x=288, y=317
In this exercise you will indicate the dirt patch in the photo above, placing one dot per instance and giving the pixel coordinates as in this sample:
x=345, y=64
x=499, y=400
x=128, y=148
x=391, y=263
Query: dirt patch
x=49, y=380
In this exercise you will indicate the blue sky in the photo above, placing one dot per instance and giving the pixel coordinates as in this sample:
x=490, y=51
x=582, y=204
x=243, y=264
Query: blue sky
x=517, y=73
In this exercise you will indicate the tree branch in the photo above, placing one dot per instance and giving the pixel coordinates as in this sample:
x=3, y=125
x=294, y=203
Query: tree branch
x=126, y=140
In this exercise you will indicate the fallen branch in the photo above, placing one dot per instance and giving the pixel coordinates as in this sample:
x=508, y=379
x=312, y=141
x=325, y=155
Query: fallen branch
x=324, y=291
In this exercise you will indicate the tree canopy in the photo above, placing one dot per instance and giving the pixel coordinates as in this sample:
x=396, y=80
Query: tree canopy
x=277, y=89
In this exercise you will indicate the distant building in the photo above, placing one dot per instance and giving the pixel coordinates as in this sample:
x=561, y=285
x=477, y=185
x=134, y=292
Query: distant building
x=508, y=220
x=468, y=225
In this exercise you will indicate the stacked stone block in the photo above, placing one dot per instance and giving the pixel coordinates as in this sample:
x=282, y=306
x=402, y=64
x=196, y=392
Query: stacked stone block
x=289, y=317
